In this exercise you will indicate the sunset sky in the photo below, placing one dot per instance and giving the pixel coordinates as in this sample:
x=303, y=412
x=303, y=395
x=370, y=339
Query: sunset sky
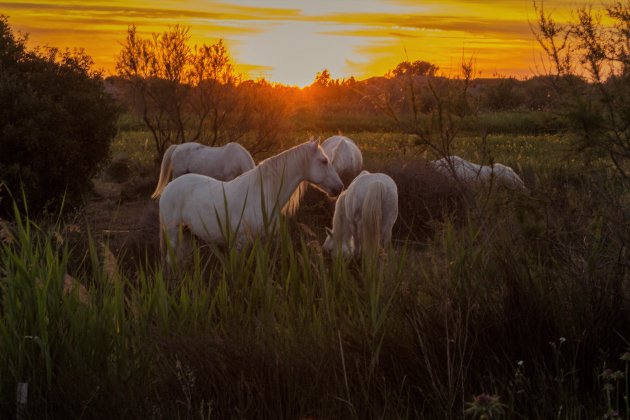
x=290, y=41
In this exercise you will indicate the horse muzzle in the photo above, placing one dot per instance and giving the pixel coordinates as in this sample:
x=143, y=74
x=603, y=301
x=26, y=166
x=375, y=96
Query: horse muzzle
x=334, y=192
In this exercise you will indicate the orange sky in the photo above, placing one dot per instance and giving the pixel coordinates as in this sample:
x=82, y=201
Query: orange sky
x=290, y=41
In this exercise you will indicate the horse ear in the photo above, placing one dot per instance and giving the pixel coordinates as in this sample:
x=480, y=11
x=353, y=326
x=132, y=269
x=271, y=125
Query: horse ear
x=328, y=231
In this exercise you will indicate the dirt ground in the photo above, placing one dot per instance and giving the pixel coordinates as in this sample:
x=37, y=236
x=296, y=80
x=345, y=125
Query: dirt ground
x=122, y=216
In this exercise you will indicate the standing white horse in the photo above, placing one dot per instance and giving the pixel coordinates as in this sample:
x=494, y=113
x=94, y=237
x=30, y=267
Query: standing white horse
x=345, y=156
x=247, y=205
x=364, y=215
x=223, y=163
x=478, y=175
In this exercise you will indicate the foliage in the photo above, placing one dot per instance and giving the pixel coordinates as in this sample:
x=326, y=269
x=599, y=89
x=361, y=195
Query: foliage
x=416, y=68
x=323, y=79
x=503, y=95
x=56, y=122
x=598, y=114
x=268, y=113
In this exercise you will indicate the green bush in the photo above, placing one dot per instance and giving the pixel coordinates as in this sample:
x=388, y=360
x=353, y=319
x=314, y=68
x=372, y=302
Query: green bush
x=56, y=122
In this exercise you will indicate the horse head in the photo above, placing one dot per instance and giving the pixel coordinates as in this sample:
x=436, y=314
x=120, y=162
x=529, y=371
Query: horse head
x=330, y=245
x=508, y=178
x=319, y=170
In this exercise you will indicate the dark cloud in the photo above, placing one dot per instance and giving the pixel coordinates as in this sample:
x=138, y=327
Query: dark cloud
x=220, y=11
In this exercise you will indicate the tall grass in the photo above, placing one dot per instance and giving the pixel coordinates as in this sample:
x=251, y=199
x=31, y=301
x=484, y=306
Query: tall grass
x=509, y=306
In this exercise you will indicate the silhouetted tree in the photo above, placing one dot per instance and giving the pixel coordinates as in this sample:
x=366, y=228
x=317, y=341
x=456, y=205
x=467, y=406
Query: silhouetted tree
x=155, y=69
x=416, y=68
x=215, y=100
x=56, y=122
x=322, y=79
x=588, y=49
x=503, y=94
x=182, y=93
x=268, y=110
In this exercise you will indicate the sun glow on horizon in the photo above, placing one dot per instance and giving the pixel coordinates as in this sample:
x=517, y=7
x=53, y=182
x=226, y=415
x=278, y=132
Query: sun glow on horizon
x=290, y=41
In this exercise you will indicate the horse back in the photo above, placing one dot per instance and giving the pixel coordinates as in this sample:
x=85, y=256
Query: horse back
x=358, y=190
x=242, y=159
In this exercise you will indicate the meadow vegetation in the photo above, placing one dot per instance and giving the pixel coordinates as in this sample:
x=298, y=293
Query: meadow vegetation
x=490, y=304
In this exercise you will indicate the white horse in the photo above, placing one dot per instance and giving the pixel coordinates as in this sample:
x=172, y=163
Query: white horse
x=346, y=157
x=478, y=175
x=364, y=215
x=347, y=160
x=246, y=206
x=223, y=163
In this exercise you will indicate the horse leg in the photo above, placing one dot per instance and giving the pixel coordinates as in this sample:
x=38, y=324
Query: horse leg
x=355, y=233
x=183, y=247
x=386, y=239
x=169, y=244
x=387, y=236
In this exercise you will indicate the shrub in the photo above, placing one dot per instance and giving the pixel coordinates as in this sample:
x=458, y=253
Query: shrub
x=588, y=65
x=56, y=122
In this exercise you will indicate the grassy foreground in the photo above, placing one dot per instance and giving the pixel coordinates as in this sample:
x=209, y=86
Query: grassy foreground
x=516, y=306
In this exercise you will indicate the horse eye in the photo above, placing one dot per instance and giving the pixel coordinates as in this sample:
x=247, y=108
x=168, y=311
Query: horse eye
x=325, y=161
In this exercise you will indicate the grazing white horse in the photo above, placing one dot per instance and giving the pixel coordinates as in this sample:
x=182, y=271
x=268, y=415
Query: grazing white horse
x=223, y=163
x=479, y=175
x=246, y=206
x=346, y=157
x=364, y=215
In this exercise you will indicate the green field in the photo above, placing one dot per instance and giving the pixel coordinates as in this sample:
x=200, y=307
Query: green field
x=507, y=305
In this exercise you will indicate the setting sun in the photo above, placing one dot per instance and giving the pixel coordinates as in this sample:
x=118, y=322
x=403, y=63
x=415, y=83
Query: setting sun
x=290, y=41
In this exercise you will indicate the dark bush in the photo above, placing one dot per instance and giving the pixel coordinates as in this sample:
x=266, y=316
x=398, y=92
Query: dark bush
x=424, y=197
x=56, y=122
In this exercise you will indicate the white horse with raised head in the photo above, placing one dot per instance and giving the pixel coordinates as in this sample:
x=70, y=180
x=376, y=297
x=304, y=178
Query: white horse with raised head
x=365, y=214
x=478, y=175
x=223, y=163
x=246, y=206
x=346, y=157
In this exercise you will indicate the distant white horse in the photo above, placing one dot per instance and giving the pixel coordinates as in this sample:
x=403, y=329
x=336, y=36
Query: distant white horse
x=223, y=163
x=345, y=156
x=364, y=215
x=245, y=206
x=477, y=175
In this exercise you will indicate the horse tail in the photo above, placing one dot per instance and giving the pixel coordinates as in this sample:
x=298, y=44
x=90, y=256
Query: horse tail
x=372, y=218
x=165, y=171
x=356, y=164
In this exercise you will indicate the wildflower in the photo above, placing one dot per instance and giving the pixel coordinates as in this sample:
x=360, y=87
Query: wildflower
x=612, y=414
x=483, y=399
x=606, y=373
x=609, y=375
x=485, y=406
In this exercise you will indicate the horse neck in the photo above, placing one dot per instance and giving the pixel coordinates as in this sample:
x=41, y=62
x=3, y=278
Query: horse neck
x=281, y=175
x=337, y=151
